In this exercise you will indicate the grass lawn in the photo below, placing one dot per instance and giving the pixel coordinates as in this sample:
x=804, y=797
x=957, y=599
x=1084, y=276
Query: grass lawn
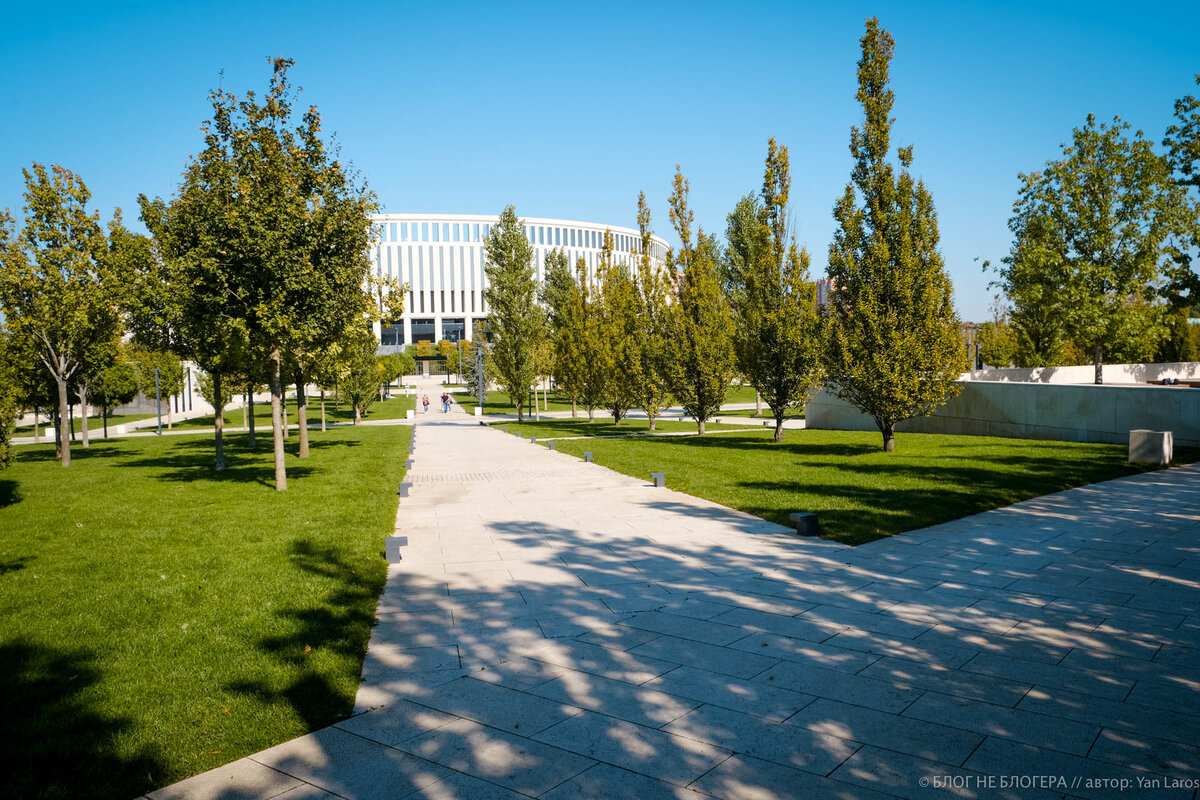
x=859, y=492
x=497, y=402
x=766, y=413
x=161, y=619
x=392, y=408
x=603, y=426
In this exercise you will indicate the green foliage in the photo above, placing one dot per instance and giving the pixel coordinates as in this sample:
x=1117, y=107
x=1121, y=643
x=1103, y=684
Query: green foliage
x=997, y=343
x=471, y=360
x=517, y=321
x=778, y=338
x=893, y=345
x=8, y=409
x=115, y=386
x=424, y=348
x=363, y=374
x=700, y=361
x=648, y=362
x=593, y=339
x=1182, y=340
x=561, y=295
x=1091, y=234
x=58, y=287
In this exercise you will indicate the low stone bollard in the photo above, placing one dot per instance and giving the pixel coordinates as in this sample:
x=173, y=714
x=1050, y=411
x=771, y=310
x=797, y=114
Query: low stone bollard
x=533, y=440
x=1151, y=447
x=408, y=462
x=518, y=434
x=479, y=412
x=587, y=456
x=659, y=478
x=404, y=487
x=391, y=548
x=552, y=445
x=805, y=522
x=409, y=414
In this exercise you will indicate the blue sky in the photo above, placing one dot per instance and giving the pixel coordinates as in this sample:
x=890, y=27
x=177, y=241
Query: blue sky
x=568, y=110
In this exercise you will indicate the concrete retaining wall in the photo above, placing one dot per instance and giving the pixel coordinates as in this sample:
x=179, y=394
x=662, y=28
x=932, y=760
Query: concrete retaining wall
x=1070, y=413
x=1113, y=373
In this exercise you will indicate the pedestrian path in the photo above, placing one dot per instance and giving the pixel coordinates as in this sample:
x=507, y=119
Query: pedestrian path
x=558, y=630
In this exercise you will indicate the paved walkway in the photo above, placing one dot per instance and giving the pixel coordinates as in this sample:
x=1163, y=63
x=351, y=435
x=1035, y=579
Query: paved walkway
x=556, y=630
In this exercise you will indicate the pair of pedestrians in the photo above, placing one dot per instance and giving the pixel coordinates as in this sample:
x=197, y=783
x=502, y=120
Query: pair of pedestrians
x=445, y=402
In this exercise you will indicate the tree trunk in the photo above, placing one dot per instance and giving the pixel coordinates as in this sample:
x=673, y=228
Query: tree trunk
x=219, y=421
x=322, y=411
x=888, y=429
x=1099, y=364
x=250, y=428
x=277, y=419
x=245, y=402
x=520, y=411
x=699, y=426
x=758, y=405
x=537, y=411
x=591, y=415
x=37, y=432
x=104, y=418
x=170, y=419
x=574, y=413
x=779, y=427
x=82, y=389
x=64, y=413
x=302, y=413
x=357, y=414
x=653, y=420
x=56, y=421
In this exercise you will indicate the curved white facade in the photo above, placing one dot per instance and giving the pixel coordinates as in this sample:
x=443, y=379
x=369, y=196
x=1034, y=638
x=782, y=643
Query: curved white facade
x=440, y=257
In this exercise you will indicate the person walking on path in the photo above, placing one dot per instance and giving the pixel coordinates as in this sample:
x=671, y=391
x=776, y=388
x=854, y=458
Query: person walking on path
x=425, y=402
x=445, y=402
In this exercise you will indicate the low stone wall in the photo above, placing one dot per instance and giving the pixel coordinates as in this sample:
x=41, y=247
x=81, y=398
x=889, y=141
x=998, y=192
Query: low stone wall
x=1063, y=412
x=1113, y=373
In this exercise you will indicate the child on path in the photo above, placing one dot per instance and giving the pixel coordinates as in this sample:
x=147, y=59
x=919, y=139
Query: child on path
x=425, y=402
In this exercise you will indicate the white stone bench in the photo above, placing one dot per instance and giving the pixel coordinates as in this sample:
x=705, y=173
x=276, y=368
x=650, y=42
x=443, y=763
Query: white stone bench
x=1151, y=447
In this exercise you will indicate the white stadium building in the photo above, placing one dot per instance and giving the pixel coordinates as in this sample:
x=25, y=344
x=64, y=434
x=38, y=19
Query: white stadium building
x=440, y=257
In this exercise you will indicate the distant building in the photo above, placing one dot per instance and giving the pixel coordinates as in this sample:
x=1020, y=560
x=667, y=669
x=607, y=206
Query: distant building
x=824, y=287
x=440, y=257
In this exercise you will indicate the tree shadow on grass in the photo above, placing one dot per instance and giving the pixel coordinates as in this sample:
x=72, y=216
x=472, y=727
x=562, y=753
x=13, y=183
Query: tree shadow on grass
x=57, y=743
x=45, y=451
x=9, y=496
x=14, y=564
x=339, y=622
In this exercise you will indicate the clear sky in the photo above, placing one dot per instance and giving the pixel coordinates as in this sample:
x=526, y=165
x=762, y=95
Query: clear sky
x=569, y=109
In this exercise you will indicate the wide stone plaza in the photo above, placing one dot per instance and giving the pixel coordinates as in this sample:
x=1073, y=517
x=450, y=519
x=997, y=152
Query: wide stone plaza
x=557, y=630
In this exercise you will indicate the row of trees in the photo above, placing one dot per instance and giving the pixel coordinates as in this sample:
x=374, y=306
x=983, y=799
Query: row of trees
x=623, y=339
x=257, y=270
x=1101, y=261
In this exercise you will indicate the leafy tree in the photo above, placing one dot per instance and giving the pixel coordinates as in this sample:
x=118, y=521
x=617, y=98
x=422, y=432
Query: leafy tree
x=8, y=392
x=700, y=363
x=287, y=241
x=171, y=375
x=893, y=347
x=57, y=291
x=592, y=339
x=997, y=339
x=471, y=359
x=648, y=373
x=1183, y=158
x=363, y=376
x=778, y=341
x=114, y=386
x=1104, y=216
x=561, y=296
x=621, y=335
x=515, y=317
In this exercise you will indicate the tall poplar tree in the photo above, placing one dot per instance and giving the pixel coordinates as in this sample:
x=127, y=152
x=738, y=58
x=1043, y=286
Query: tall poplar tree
x=517, y=321
x=893, y=347
x=650, y=382
x=778, y=341
x=592, y=336
x=700, y=363
x=564, y=306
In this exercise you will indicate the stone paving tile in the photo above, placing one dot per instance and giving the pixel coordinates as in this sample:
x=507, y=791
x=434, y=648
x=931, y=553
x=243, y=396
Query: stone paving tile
x=613, y=783
x=350, y=766
x=239, y=780
x=658, y=754
x=876, y=623
x=853, y=689
x=500, y=757
x=1147, y=753
x=936, y=740
x=646, y=704
x=1010, y=645
x=397, y=721
x=1101, y=684
x=1005, y=722
x=623, y=665
x=819, y=655
x=902, y=775
x=707, y=631
x=460, y=786
x=1083, y=777
x=750, y=697
x=497, y=706
x=1158, y=722
x=803, y=748
x=796, y=627
x=725, y=660
x=946, y=652
x=946, y=681
x=744, y=777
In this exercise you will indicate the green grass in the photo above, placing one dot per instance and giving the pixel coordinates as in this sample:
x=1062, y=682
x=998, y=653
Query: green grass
x=497, y=402
x=740, y=394
x=766, y=413
x=603, y=426
x=859, y=492
x=161, y=619
x=393, y=408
